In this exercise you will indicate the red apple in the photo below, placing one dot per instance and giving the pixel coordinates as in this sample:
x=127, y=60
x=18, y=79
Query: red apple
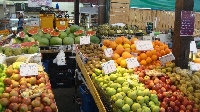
x=154, y=77
x=164, y=104
x=141, y=74
x=26, y=101
x=173, y=98
x=23, y=107
x=195, y=110
x=5, y=95
x=173, y=88
x=46, y=101
x=162, y=109
x=47, y=109
x=176, y=109
x=182, y=107
x=163, y=89
x=14, y=99
x=7, y=81
x=185, y=102
x=172, y=104
x=13, y=106
x=168, y=81
x=141, y=79
x=53, y=107
x=166, y=99
x=37, y=109
x=4, y=102
x=160, y=96
x=8, y=89
x=167, y=86
x=8, y=110
x=156, y=81
x=181, y=111
x=169, y=109
x=14, y=93
x=189, y=107
x=179, y=98
x=178, y=103
x=162, y=79
x=190, y=102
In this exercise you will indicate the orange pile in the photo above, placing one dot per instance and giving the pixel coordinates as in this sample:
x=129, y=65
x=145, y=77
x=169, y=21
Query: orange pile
x=123, y=48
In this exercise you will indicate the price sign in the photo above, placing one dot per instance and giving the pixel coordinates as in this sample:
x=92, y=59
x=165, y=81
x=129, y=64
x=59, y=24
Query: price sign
x=167, y=58
x=142, y=45
x=2, y=58
x=84, y=40
x=28, y=69
x=194, y=66
x=109, y=67
x=62, y=22
x=193, y=47
x=108, y=52
x=132, y=63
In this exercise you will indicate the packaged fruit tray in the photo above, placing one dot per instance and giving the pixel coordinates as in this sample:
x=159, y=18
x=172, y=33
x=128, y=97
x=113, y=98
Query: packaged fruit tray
x=108, y=103
x=31, y=92
x=153, y=73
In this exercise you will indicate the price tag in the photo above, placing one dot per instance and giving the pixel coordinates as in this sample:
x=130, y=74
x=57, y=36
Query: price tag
x=193, y=47
x=132, y=62
x=85, y=40
x=142, y=45
x=69, y=47
x=28, y=69
x=109, y=67
x=2, y=58
x=194, y=66
x=167, y=58
x=108, y=52
x=62, y=22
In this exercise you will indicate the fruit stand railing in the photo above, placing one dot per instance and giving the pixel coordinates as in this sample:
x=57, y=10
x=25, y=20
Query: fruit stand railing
x=90, y=84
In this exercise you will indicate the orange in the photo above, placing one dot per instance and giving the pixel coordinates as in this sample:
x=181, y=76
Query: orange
x=167, y=51
x=148, y=53
x=133, y=40
x=126, y=46
x=161, y=48
x=119, y=40
x=126, y=41
x=115, y=56
x=126, y=55
x=153, y=52
x=165, y=46
x=138, y=58
x=119, y=50
x=106, y=42
x=154, y=57
x=120, y=45
x=157, y=49
x=148, y=60
x=113, y=45
x=143, y=62
x=127, y=50
x=123, y=63
x=162, y=52
x=119, y=60
x=158, y=54
x=103, y=47
x=133, y=46
x=143, y=56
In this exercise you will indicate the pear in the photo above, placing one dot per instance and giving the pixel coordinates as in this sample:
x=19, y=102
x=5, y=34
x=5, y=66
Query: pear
x=184, y=85
x=197, y=91
x=182, y=81
x=173, y=79
x=197, y=95
x=190, y=89
x=178, y=77
x=190, y=97
x=196, y=100
x=183, y=89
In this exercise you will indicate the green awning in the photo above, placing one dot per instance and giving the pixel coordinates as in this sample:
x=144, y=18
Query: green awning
x=160, y=4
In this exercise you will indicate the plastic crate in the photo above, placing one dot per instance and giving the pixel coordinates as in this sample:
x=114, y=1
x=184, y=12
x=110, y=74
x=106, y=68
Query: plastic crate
x=88, y=104
x=45, y=63
x=66, y=82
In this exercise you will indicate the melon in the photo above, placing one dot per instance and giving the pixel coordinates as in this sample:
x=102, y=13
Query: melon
x=54, y=34
x=77, y=40
x=43, y=41
x=21, y=34
x=40, y=33
x=94, y=39
x=61, y=28
x=47, y=30
x=90, y=33
x=55, y=41
x=47, y=36
x=36, y=37
x=16, y=41
x=68, y=41
x=74, y=28
x=79, y=33
x=32, y=31
x=71, y=35
x=29, y=39
x=62, y=35
x=67, y=30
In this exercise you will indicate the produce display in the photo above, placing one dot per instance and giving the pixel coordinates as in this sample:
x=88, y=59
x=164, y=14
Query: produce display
x=25, y=93
x=58, y=36
x=150, y=87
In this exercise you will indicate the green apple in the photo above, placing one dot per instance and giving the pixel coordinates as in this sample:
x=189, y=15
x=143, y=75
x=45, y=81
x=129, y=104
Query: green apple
x=134, y=83
x=119, y=103
x=140, y=93
x=119, y=74
x=120, y=80
x=146, y=92
x=100, y=79
x=122, y=70
x=114, y=85
x=119, y=85
x=113, y=77
x=125, y=84
x=156, y=101
x=118, y=96
x=153, y=96
x=110, y=91
x=140, y=99
x=132, y=95
x=135, y=106
x=128, y=101
x=101, y=84
x=125, y=74
x=126, y=108
x=146, y=77
x=141, y=88
x=144, y=105
x=113, y=97
x=119, y=90
x=2, y=84
x=1, y=89
x=130, y=70
x=146, y=109
x=125, y=89
x=123, y=94
x=156, y=109
x=151, y=103
x=1, y=79
x=97, y=71
x=1, y=108
x=106, y=79
x=139, y=110
x=105, y=86
x=93, y=75
x=146, y=99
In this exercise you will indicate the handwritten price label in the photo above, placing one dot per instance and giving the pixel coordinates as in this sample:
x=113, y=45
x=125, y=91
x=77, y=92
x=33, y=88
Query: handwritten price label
x=194, y=66
x=142, y=45
x=84, y=40
x=167, y=58
x=2, y=58
x=28, y=69
x=109, y=67
x=132, y=63
x=193, y=47
x=108, y=52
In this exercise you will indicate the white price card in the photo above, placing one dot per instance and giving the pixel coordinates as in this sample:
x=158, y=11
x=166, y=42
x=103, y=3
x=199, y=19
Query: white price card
x=193, y=47
x=194, y=66
x=109, y=67
x=28, y=69
x=62, y=22
x=167, y=58
x=142, y=45
x=2, y=58
x=108, y=52
x=84, y=40
x=69, y=47
x=132, y=62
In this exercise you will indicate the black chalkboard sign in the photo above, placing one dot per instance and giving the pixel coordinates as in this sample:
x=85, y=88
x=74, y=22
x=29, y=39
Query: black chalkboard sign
x=27, y=9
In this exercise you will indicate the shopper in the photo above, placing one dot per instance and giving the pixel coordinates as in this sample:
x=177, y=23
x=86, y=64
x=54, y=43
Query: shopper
x=21, y=22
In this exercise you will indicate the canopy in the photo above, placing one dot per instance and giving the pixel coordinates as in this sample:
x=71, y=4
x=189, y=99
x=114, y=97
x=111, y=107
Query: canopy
x=160, y=4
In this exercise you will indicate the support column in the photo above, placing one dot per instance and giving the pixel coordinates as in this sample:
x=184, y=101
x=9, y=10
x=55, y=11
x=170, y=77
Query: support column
x=181, y=44
x=101, y=12
x=76, y=12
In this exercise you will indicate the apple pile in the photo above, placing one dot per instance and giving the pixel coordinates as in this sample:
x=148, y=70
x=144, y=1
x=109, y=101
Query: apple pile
x=187, y=83
x=171, y=98
x=11, y=99
x=126, y=92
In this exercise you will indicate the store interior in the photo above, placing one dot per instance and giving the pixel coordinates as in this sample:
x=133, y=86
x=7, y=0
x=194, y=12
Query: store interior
x=100, y=56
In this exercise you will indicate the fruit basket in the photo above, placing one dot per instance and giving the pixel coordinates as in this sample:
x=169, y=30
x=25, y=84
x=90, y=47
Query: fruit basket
x=31, y=92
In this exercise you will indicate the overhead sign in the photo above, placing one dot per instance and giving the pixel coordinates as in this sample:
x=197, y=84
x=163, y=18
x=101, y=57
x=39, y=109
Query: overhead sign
x=38, y=3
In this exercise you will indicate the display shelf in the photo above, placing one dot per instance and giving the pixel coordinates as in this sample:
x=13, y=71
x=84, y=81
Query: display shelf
x=91, y=86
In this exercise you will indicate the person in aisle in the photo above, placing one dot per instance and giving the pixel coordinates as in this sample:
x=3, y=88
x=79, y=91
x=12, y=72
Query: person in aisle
x=21, y=22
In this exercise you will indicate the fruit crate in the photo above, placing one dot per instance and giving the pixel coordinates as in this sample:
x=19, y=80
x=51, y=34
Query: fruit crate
x=61, y=22
x=88, y=104
x=46, y=20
